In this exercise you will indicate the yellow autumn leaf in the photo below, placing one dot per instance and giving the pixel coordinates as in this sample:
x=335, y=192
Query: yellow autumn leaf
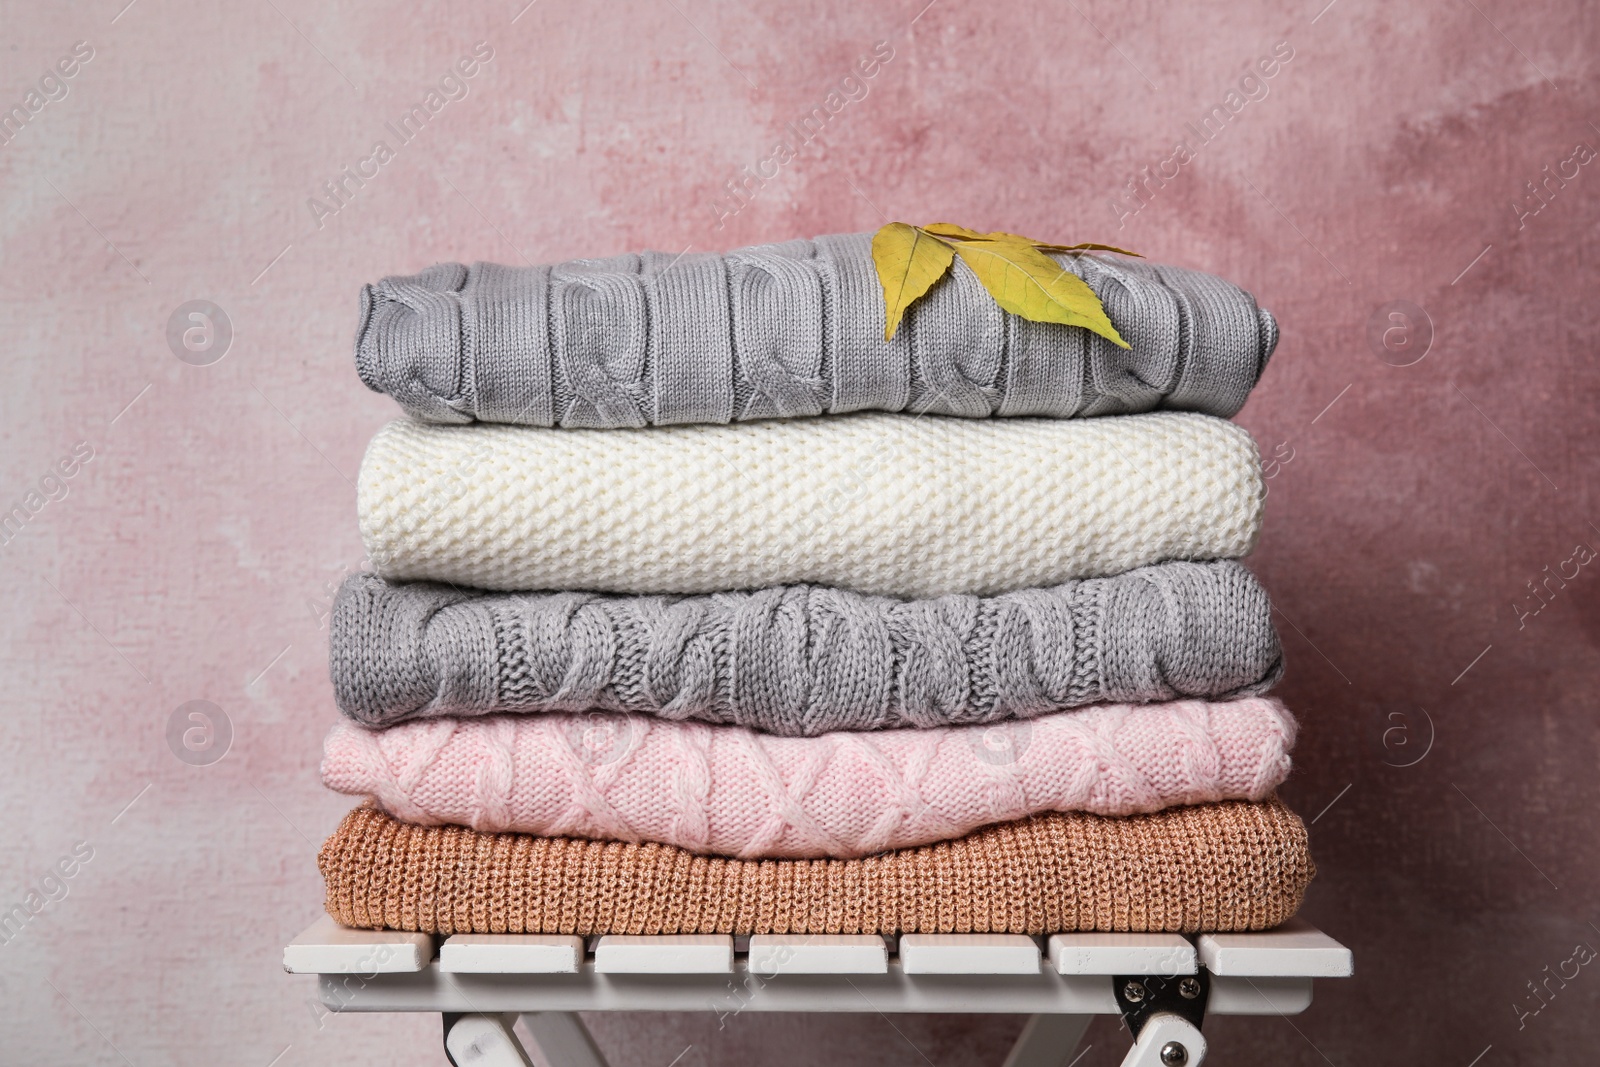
x=909, y=261
x=1026, y=282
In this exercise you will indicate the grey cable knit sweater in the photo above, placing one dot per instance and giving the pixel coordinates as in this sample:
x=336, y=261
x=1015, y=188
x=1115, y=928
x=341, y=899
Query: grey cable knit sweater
x=791, y=329
x=803, y=660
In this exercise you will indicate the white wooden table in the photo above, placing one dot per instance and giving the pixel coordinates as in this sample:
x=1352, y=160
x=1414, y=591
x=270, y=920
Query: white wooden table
x=1163, y=984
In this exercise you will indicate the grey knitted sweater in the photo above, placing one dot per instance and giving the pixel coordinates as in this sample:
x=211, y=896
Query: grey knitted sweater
x=803, y=660
x=791, y=329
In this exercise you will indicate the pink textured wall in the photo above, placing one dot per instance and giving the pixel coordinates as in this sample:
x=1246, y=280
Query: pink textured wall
x=1410, y=507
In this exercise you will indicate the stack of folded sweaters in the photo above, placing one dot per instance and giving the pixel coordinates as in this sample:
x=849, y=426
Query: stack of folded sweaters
x=699, y=607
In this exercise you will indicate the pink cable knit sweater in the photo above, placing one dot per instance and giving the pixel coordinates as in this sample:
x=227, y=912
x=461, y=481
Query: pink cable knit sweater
x=731, y=791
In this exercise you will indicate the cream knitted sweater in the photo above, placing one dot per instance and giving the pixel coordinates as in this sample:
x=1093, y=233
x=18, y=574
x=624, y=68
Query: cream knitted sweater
x=878, y=503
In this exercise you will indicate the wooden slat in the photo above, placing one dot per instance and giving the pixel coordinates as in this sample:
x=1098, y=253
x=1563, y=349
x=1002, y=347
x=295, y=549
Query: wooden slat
x=1158, y=954
x=1294, y=950
x=772, y=954
x=328, y=948
x=664, y=954
x=511, y=954
x=968, y=954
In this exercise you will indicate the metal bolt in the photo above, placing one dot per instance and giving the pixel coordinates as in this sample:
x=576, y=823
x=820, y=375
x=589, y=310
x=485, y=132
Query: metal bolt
x=1189, y=988
x=1174, y=1055
x=1133, y=992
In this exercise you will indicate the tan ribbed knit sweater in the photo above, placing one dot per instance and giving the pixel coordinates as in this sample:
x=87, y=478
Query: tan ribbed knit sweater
x=1232, y=865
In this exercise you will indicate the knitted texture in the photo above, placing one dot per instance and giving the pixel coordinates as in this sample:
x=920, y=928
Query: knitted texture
x=730, y=791
x=791, y=329
x=911, y=507
x=803, y=660
x=1227, y=866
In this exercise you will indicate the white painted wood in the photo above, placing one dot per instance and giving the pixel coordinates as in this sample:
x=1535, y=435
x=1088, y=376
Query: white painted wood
x=485, y=1041
x=664, y=954
x=325, y=947
x=773, y=954
x=1295, y=949
x=1158, y=954
x=562, y=1039
x=1158, y=1031
x=511, y=954
x=1048, y=1040
x=1258, y=996
x=968, y=954
x=1025, y=994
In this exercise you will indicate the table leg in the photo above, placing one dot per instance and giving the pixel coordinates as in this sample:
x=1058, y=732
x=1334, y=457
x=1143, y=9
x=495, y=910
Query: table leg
x=563, y=1039
x=1048, y=1040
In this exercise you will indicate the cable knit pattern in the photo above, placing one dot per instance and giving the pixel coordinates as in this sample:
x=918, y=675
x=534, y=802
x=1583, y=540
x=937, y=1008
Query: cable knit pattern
x=1212, y=867
x=803, y=660
x=731, y=791
x=885, y=504
x=791, y=329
